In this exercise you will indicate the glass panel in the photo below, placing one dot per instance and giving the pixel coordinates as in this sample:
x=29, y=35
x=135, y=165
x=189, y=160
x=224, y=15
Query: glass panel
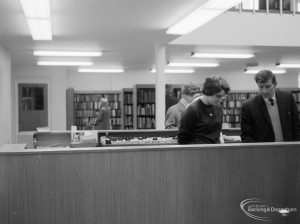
x=32, y=98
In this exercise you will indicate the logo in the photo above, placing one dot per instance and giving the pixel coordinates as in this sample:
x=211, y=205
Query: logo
x=257, y=209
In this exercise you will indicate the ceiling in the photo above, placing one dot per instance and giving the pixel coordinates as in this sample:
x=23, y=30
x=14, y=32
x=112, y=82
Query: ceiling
x=126, y=31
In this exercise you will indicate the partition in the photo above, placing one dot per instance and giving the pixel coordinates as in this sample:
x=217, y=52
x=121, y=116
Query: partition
x=148, y=184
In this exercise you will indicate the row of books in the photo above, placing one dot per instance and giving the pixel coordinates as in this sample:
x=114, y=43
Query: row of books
x=95, y=105
x=128, y=121
x=232, y=103
x=115, y=121
x=232, y=111
x=231, y=118
x=128, y=109
x=231, y=125
x=145, y=123
x=147, y=109
x=91, y=121
x=128, y=98
x=240, y=96
x=92, y=113
x=146, y=96
x=96, y=97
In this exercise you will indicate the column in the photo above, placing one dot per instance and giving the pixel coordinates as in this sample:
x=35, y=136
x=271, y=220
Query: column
x=160, y=102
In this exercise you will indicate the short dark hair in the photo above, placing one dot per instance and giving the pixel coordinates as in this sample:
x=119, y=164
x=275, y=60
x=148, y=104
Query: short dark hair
x=213, y=85
x=190, y=89
x=264, y=75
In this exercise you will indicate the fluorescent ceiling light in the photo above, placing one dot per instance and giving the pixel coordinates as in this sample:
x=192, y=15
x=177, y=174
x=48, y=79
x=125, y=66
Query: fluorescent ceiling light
x=37, y=13
x=36, y=8
x=100, y=70
x=175, y=71
x=65, y=63
x=192, y=64
x=257, y=70
x=288, y=65
x=40, y=29
x=202, y=15
x=221, y=55
x=68, y=53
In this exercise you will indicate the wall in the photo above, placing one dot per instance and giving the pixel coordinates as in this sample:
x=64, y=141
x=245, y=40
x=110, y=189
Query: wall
x=237, y=80
x=60, y=79
x=5, y=97
x=56, y=80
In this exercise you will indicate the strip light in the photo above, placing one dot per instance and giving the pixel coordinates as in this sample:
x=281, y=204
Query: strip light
x=202, y=15
x=64, y=63
x=68, y=53
x=100, y=70
x=222, y=55
x=196, y=64
x=288, y=65
x=175, y=71
x=256, y=71
x=37, y=13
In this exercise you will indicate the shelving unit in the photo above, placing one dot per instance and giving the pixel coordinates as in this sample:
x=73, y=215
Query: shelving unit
x=232, y=108
x=233, y=105
x=144, y=102
x=86, y=102
x=129, y=110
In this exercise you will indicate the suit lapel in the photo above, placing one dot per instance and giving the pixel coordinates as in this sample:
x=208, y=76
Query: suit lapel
x=263, y=108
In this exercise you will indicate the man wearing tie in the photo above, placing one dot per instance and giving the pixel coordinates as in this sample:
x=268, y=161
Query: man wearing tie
x=272, y=115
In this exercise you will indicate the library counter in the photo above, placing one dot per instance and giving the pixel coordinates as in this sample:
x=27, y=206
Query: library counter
x=162, y=184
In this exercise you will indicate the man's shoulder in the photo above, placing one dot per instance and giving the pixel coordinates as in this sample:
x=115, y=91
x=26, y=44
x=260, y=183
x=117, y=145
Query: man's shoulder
x=251, y=100
x=283, y=92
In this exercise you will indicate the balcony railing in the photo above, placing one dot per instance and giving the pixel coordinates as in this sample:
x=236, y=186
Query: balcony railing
x=269, y=6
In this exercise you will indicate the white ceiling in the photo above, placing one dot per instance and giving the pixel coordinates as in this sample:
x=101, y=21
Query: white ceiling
x=126, y=30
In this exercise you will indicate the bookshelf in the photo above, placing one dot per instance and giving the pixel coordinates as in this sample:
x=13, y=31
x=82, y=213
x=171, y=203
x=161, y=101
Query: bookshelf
x=128, y=109
x=84, y=104
x=144, y=102
x=232, y=108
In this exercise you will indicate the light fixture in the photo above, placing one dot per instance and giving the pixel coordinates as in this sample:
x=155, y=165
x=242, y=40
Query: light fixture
x=37, y=13
x=40, y=29
x=222, y=55
x=175, y=70
x=68, y=53
x=287, y=65
x=193, y=64
x=202, y=15
x=65, y=63
x=100, y=70
x=255, y=71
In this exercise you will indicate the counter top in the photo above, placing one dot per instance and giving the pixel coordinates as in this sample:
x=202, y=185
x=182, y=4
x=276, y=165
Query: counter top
x=20, y=148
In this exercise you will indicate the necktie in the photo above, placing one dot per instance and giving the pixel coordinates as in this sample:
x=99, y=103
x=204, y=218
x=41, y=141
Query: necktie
x=271, y=101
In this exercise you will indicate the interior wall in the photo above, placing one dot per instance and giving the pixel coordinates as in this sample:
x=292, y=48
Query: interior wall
x=60, y=79
x=5, y=97
x=236, y=80
x=56, y=80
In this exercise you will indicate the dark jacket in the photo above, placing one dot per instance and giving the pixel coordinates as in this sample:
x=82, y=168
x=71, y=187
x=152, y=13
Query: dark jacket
x=256, y=124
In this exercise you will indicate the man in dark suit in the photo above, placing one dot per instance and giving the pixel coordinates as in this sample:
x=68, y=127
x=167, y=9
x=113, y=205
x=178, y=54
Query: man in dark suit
x=272, y=115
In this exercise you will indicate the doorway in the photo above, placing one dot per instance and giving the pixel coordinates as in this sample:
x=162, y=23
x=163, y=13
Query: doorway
x=33, y=106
